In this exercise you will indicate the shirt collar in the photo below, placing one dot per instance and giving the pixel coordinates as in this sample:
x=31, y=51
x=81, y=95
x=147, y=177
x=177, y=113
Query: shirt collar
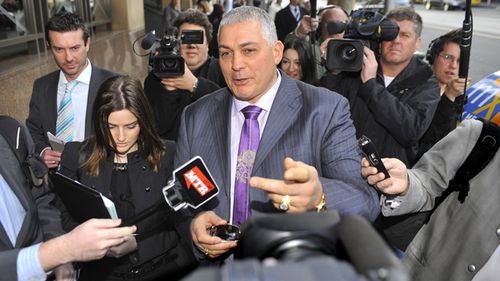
x=266, y=101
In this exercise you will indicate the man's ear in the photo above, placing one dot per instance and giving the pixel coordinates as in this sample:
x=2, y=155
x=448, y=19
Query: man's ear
x=278, y=52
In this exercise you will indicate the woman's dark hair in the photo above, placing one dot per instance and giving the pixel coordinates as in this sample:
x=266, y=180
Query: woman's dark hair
x=306, y=60
x=115, y=94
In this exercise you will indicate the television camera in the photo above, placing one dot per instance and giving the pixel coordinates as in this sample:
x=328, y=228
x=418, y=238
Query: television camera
x=308, y=246
x=365, y=28
x=166, y=60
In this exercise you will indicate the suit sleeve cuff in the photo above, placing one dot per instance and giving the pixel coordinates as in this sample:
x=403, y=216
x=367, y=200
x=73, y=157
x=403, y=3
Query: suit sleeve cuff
x=28, y=264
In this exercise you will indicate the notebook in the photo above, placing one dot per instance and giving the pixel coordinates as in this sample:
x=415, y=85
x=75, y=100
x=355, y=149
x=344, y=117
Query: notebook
x=81, y=201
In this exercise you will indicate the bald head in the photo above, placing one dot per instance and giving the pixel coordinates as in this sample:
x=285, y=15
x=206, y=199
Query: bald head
x=329, y=15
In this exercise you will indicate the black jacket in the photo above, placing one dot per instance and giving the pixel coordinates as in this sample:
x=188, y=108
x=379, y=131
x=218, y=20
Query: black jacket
x=159, y=241
x=168, y=105
x=394, y=118
x=445, y=120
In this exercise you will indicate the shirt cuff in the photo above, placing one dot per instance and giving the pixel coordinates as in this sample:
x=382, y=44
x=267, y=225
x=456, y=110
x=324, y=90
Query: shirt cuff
x=28, y=264
x=43, y=150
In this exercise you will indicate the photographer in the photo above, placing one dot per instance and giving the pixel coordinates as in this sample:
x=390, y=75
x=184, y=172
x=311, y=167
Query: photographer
x=392, y=99
x=330, y=15
x=169, y=96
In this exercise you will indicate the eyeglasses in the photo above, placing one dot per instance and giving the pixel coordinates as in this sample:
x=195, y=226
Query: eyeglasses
x=450, y=58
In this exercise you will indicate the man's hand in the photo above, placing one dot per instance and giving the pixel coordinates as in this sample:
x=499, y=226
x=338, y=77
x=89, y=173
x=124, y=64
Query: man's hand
x=397, y=184
x=306, y=25
x=51, y=158
x=64, y=272
x=212, y=246
x=455, y=88
x=300, y=182
x=184, y=82
x=324, y=47
x=370, y=65
x=124, y=248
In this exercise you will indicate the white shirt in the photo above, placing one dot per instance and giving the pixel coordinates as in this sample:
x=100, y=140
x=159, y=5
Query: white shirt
x=237, y=120
x=79, y=98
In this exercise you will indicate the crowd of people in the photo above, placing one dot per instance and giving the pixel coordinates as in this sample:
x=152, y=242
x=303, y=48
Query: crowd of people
x=277, y=130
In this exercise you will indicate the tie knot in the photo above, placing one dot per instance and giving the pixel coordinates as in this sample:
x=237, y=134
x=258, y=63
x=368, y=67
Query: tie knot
x=71, y=85
x=251, y=112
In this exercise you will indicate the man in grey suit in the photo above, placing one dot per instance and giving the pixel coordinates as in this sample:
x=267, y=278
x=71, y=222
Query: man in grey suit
x=69, y=42
x=459, y=237
x=30, y=245
x=307, y=156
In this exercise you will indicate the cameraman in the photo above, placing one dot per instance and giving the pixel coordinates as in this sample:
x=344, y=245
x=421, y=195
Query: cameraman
x=393, y=101
x=169, y=96
x=394, y=98
x=329, y=15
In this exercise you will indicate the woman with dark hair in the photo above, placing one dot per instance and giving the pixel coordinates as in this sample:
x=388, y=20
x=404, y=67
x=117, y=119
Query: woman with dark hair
x=297, y=61
x=126, y=161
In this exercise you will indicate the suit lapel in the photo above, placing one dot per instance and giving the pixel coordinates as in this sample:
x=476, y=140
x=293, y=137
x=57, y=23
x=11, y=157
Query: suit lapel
x=51, y=96
x=222, y=135
x=95, y=82
x=282, y=115
x=22, y=194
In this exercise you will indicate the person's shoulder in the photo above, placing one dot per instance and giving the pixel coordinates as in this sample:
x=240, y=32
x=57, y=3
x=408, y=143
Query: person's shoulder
x=311, y=91
x=54, y=75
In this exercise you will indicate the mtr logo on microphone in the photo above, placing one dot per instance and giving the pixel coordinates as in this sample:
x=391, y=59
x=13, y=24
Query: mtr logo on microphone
x=197, y=179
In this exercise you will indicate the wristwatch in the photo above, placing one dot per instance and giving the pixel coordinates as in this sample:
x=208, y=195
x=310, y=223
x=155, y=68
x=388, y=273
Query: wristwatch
x=321, y=207
x=195, y=85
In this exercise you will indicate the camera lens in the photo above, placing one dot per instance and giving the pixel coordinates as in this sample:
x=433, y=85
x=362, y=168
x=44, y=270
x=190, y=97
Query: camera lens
x=168, y=64
x=348, y=53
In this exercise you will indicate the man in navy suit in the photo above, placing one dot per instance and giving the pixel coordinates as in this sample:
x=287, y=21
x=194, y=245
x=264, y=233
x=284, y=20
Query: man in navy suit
x=69, y=41
x=287, y=18
x=307, y=155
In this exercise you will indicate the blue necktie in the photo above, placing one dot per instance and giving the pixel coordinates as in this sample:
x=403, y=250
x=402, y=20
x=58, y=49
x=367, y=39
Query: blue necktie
x=66, y=115
x=296, y=13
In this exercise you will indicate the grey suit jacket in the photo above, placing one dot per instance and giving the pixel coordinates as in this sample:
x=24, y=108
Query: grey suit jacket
x=457, y=235
x=42, y=220
x=306, y=123
x=43, y=105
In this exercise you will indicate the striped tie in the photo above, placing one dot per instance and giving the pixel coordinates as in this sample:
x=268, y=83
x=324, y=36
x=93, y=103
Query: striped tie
x=66, y=114
x=296, y=13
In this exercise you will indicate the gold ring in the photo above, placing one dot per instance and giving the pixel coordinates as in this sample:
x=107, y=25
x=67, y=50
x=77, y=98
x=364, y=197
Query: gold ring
x=285, y=203
x=206, y=251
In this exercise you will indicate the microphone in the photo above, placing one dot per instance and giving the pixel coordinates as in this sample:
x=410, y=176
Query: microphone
x=368, y=252
x=197, y=186
x=335, y=27
x=148, y=40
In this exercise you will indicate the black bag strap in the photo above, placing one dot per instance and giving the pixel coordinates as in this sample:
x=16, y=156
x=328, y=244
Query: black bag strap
x=484, y=150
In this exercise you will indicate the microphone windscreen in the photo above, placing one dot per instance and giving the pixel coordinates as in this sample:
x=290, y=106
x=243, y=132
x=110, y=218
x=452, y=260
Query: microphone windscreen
x=335, y=27
x=148, y=40
x=367, y=251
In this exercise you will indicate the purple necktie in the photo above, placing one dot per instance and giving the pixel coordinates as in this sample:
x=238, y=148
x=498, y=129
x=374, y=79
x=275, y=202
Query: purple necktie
x=249, y=142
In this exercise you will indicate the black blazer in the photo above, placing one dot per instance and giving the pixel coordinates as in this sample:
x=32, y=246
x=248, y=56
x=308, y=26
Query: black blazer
x=42, y=115
x=159, y=237
x=285, y=21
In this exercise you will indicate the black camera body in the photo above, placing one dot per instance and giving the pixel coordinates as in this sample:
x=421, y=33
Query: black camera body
x=192, y=36
x=366, y=28
x=167, y=62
